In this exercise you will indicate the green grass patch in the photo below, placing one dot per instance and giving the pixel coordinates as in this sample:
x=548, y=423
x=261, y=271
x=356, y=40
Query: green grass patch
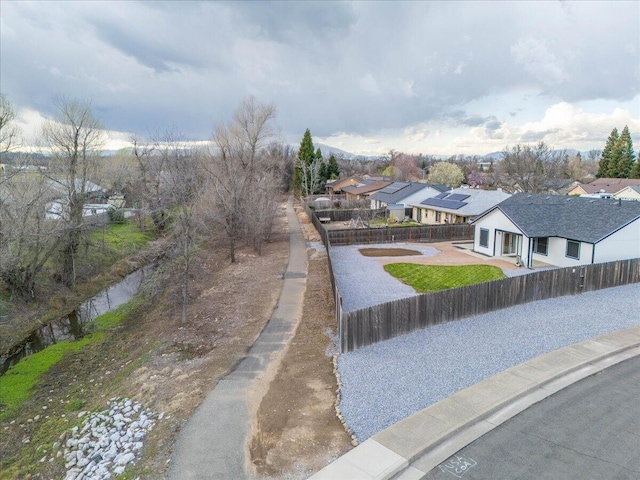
x=116, y=241
x=431, y=278
x=17, y=384
x=122, y=236
x=115, y=317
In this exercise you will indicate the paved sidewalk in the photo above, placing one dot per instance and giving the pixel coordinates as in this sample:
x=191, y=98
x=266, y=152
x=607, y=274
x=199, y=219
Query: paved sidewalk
x=213, y=443
x=412, y=447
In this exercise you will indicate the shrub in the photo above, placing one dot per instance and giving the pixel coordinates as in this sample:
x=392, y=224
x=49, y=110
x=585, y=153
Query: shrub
x=116, y=215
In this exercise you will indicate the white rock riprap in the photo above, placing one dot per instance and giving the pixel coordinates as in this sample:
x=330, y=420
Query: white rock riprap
x=107, y=441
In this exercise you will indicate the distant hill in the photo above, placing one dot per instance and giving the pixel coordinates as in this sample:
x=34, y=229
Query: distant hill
x=492, y=156
x=571, y=152
x=329, y=150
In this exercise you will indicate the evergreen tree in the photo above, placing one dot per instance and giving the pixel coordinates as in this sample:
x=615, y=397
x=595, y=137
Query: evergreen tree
x=333, y=171
x=635, y=170
x=323, y=173
x=624, y=154
x=306, y=156
x=607, y=153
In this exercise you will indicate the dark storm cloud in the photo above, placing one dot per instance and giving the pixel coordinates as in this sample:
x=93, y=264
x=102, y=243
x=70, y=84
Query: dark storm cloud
x=159, y=57
x=329, y=66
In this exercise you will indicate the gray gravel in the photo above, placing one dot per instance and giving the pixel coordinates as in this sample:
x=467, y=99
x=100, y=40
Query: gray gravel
x=385, y=382
x=362, y=281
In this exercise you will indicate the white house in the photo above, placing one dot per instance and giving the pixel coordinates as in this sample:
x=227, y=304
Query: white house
x=559, y=230
x=57, y=208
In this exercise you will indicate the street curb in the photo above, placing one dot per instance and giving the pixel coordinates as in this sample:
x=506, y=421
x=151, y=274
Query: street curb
x=409, y=449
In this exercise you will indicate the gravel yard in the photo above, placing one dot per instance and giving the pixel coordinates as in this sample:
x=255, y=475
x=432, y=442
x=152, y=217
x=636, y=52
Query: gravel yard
x=362, y=281
x=385, y=382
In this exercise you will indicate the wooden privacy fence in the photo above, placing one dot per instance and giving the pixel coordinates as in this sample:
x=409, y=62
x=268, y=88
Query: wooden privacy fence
x=387, y=320
x=346, y=215
x=427, y=233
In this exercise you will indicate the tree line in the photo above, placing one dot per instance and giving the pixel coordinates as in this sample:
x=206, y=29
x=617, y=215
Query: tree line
x=229, y=190
x=618, y=158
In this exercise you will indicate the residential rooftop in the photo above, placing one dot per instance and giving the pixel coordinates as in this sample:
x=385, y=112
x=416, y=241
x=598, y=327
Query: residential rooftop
x=576, y=218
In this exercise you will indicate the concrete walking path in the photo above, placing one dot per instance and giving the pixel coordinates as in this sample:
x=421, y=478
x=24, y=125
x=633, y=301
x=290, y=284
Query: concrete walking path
x=213, y=442
x=409, y=449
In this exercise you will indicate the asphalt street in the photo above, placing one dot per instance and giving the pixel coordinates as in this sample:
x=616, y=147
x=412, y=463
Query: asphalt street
x=590, y=430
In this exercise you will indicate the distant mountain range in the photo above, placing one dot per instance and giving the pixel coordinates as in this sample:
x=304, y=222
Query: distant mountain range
x=328, y=150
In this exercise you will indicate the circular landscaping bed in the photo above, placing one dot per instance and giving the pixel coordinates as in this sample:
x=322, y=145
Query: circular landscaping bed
x=388, y=252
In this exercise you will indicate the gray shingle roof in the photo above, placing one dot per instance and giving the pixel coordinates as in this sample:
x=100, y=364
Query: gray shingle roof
x=475, y=203
x=397, y=191
x=576, y=218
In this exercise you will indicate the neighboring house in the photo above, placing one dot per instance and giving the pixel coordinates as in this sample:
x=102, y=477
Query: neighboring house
x=459, y=205
x=336, y=186
x=93, y=194
x=605, y=185
x=628, y=193
x=399, y=195
x=559, y=230
x=55, y=209
x=364, y=191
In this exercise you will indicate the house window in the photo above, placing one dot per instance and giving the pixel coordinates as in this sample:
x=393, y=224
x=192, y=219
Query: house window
x=438, y=216
x=541, y=245
x=484, y=237
x=573, y=249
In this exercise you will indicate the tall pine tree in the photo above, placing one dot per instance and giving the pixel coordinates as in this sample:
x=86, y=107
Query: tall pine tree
x=306, y=155
x=333, y=171
x=624, y=154
x=607, y=153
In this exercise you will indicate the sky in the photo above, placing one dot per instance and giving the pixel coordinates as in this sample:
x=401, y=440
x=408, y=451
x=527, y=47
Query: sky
x=439, y=78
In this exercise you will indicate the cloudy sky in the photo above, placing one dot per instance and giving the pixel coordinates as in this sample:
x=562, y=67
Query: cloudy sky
x=423, y=77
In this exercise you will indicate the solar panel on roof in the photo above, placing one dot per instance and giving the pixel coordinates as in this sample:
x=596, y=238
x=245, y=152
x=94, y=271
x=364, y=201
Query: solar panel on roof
x=458, y=197
x=391, y=189
x=439, y=202
x=441, y=195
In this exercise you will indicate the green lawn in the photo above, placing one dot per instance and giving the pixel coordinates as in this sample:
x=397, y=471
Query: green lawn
x=431, y=278
x=122, y=236
x=17, y=384
x=116, y=241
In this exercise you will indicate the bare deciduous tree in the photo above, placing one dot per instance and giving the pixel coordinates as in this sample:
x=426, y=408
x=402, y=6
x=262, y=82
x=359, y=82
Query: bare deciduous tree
x=182, y=183
x=238, y=169
x=531, y=166
x=310, y=176
x=27, y=239
x=9, y=131
x=73, y=139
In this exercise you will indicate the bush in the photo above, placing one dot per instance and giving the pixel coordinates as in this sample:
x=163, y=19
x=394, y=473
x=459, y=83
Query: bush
x=116, y=215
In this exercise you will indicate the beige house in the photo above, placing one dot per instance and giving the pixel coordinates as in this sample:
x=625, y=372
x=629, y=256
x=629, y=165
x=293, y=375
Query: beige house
x=336, y=186
x=605, y=185
x=628, y=193
x=459, y=205
x=363, y=192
